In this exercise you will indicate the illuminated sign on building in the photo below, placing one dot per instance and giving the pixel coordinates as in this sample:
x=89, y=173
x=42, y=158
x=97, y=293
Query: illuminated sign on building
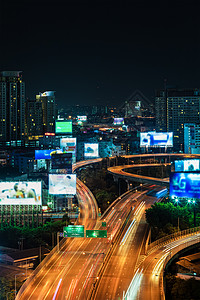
x=62, y=184
x=20, y=193
x=188, y=165
x=68, y=145
x=118, y=121
x=185, y=185
x=156, y=139
x=63, y=127
x=91, y=150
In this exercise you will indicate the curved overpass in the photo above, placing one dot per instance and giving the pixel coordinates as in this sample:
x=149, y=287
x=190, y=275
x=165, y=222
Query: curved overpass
x=120, y=172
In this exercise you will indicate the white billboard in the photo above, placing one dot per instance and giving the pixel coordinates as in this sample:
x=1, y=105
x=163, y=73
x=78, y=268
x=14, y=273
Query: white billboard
x=82, y=118
x=91, y=150
x=188, y=165
x=62, y=184
x=156, y=139
x=20, y=193
x=68, y=145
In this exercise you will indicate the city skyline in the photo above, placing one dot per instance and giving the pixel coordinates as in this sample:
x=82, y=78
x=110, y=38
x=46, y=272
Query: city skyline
x=100, y=52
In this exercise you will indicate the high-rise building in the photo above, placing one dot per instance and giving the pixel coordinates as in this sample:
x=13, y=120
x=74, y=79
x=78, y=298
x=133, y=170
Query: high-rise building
x=161, y=110
x=12, y=110
x=192, y=138
x=34, y=119
x=174, y=108
x=49, y=110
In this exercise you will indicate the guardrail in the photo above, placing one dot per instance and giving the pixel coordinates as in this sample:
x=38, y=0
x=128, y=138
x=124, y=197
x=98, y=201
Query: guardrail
x=174, y=236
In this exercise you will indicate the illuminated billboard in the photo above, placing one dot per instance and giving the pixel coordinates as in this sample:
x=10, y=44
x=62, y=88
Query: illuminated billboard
x=185, y=185
x=82, y=118
x=63, y=127
x=62, y=184
x=68, y=145
x=91, y=150
x=188, y=165
x=118, y=121
x=44, y=154
x=62, y=161
x=156, y=139
x=20, y=193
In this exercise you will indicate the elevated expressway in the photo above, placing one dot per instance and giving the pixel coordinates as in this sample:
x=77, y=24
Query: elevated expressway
x=119, y=171
x=71, y=271
x=147, y=282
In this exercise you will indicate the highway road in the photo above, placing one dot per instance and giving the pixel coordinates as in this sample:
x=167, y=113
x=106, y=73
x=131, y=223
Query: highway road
x=147, y=282
x=119, y=172
x=120, y=270
x=54, y=267
x=71, y=272
x=155, y=155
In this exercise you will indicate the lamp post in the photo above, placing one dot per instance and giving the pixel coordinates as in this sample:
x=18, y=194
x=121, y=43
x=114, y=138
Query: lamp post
x=194, y=213
x=194, y=210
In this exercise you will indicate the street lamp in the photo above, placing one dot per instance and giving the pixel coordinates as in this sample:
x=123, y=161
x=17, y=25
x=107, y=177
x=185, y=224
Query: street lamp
x=16, y=282
x=194, y=209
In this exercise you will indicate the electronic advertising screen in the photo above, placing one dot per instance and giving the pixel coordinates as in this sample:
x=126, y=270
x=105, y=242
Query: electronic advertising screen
x=118, y=121
x=91, y=150
x=156, y=139
x=68, y=145
x=44, y=154
x=62, y=161
x=20, y=193
x=185, y=185
x=81, y=118
x=62, y=184
x=188, y=165
x=63, y=127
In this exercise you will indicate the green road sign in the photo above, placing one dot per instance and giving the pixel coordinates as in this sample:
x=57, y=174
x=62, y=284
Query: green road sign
x=96, y=233
x=73, y=231
x=103, y=224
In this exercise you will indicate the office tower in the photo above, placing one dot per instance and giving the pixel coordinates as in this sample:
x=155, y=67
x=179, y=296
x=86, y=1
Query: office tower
x=192, y=138
x=174, y=108
x=161, y=110
x=49, y=110
x=12, y=111
x=34, y=119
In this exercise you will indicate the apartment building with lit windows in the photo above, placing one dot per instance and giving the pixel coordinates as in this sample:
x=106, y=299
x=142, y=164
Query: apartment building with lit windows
x=174, y=108
x=49, y=110
x=12, y=110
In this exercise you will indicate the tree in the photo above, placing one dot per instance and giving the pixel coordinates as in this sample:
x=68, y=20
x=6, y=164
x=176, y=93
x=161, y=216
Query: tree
x=163, y=219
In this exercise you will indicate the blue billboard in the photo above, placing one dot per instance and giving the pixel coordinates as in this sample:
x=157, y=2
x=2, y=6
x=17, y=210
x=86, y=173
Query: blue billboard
x=44, y=154
x=156, y=139
x=185, y=185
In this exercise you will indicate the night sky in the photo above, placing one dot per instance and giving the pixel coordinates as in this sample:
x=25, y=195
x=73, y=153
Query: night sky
x=99, y=52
